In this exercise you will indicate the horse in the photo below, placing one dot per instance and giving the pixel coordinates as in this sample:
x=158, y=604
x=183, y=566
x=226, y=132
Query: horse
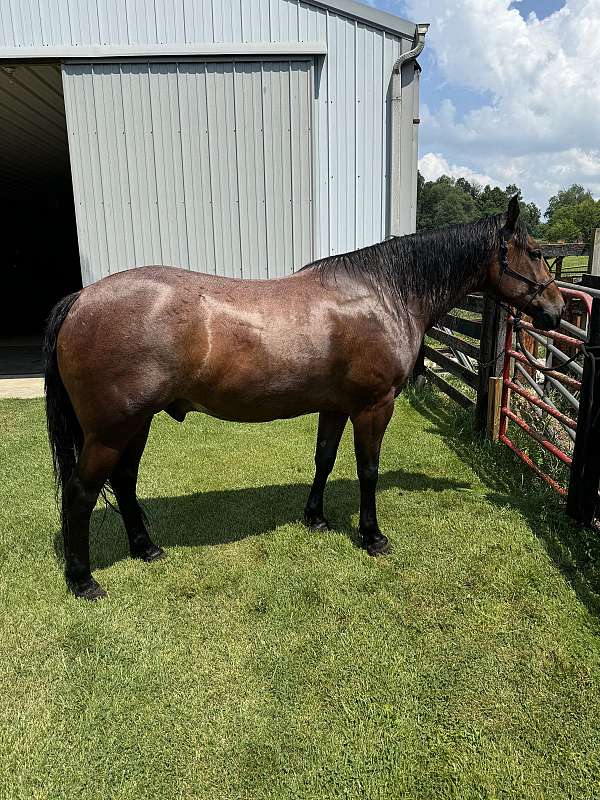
x=339, y=338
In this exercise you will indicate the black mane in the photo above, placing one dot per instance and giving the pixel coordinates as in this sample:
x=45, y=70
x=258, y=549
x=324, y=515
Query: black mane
x=429, y=265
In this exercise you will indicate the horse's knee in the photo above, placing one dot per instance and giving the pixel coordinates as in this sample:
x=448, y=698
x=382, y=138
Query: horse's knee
x=325, y=457
x=368, y=474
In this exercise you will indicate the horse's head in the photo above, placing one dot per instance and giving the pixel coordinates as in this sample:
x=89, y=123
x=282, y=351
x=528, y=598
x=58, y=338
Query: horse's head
x=518, y=274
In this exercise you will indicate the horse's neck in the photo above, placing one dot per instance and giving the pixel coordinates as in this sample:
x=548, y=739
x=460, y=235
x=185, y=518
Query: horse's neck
x=454, y=296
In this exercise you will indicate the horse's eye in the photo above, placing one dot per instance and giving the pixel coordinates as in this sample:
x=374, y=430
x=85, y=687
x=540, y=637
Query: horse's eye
x=535, y=254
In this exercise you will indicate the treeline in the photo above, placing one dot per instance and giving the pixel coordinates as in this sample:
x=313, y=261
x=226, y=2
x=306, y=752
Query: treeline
x=571, y=216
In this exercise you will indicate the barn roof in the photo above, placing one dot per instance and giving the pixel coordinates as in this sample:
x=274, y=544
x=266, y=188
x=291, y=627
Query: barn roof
x=148, y=31
x=368, y=14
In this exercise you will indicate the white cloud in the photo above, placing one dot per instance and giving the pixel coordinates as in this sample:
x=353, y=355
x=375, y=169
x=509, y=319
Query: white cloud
x=540, y=126
x=433, y=165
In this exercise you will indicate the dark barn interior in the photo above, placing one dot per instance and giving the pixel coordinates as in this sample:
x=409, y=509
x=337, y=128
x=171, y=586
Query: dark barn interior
x=39, y=260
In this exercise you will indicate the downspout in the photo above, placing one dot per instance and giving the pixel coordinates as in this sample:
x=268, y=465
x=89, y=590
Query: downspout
x=396, y=129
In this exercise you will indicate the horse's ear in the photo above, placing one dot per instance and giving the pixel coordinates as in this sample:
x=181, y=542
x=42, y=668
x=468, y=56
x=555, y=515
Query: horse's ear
x=512, y=215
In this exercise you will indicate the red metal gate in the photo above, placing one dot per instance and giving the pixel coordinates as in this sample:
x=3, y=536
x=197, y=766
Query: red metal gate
x=561, y=378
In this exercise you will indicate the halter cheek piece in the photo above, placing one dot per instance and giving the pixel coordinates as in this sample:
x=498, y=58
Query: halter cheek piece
x=505, y=269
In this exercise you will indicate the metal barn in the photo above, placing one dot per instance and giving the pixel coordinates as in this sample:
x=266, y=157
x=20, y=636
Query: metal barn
x=242, y=137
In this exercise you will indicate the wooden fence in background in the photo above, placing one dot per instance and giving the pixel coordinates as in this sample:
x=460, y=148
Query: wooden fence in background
x=469, y=354
x=555, y=255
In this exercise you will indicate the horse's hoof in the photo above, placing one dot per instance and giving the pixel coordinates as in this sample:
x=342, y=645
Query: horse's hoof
x=378, y=545
x=150, y=554
x=317, y=525
x=89, y=590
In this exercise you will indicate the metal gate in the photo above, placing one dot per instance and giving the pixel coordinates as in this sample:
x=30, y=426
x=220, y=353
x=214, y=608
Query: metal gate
x=204, y=165
x=562, y=392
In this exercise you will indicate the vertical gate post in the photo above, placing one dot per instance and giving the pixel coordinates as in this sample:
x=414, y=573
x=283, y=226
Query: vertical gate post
x=594, y=259
x=558, y=265
x=582, y=501
x=494, y=409
x=493, y=333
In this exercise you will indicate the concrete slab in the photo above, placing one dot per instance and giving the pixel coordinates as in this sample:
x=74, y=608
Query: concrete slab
x=21, y=388
x=21, y=367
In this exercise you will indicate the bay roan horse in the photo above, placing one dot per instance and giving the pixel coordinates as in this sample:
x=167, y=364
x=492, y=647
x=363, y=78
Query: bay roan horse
x=340, y=337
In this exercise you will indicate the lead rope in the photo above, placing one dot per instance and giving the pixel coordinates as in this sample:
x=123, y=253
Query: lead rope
x=518, y=328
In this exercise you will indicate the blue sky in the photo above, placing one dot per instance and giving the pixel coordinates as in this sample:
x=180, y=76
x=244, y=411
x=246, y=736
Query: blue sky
x=510, y=91
x=541, y=8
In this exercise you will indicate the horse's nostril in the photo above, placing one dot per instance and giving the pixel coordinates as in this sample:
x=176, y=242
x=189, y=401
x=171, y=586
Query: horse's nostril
x=546, y=319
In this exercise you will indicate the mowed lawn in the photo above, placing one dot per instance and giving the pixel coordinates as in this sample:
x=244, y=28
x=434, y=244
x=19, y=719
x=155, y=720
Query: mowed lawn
x=262, y=661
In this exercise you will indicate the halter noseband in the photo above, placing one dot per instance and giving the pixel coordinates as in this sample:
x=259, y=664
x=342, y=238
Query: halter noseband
x=506, y=269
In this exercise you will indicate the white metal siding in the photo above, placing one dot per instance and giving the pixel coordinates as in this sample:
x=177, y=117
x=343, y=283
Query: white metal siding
x=199, y=165
x=76, y=23
x=350, y=113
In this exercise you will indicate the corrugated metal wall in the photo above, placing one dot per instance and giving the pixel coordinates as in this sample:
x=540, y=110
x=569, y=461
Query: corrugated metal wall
x=351, y=104
x=47, y=23
x=204, y=165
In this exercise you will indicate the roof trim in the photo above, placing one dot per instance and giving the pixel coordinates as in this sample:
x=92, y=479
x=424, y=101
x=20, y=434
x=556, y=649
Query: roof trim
x=372, y=16
x=100, y=52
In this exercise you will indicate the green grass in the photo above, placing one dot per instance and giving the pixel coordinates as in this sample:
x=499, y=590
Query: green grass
x=574, y=265
x=571, y=262
x=261, y=661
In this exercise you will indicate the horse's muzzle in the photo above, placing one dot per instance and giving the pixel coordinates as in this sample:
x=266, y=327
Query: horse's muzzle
x=547, y=319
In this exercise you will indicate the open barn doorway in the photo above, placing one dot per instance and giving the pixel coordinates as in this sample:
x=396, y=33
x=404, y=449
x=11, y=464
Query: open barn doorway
x=39, y=260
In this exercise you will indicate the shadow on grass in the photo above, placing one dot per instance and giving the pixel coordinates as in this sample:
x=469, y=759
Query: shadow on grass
x=219, y=517
x=574, y=550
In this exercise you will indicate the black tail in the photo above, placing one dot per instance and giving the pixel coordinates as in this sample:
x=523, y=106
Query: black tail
x=64, y=432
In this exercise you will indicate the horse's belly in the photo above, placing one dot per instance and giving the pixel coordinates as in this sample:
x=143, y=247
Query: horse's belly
x=255, y=404
x=264, y=410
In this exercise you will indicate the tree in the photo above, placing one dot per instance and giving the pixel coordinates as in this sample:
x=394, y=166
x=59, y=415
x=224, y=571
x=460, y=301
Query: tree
x=572, y=196
x=575, y=222
x=442, y=202
x=572, y=213
x=449, y=200
x=493, y=200
x=562, y=229
x=532, y=216
x=473, y=189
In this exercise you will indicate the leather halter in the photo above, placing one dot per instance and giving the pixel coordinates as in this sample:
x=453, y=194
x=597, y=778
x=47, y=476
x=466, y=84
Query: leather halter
x=505, y=269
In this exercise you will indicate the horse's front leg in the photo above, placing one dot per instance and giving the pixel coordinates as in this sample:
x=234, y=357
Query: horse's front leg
x=369, y=427
x=331, y=427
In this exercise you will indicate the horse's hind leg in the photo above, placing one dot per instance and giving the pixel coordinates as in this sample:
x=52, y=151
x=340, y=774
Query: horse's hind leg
x=331, y=427
x=94, y=465
x=123, y=481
